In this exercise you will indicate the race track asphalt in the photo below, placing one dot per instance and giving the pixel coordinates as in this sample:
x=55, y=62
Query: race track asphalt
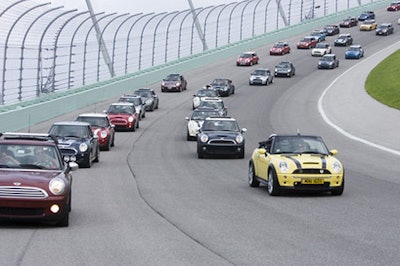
x=357, y=115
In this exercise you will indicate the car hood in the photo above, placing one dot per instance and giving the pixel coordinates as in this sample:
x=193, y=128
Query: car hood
x=27, y=177
x=352, y=52
x=70, y=141
x=307, y=161
x=221, y=134
x=170, y=82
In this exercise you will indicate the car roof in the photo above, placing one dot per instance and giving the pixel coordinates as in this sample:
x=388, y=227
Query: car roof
x=92, y=115
x=386, y=24
x=344, y=35
x=219, y=118
x=72, y=123
x=28, y=138
x=212, y=99
x=123, y=103
x=329, y=55
x=144, y=89
x=263, y=69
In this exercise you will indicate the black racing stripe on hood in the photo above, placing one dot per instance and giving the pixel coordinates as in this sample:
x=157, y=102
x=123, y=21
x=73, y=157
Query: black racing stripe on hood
x=323, y=161
x=298, y=164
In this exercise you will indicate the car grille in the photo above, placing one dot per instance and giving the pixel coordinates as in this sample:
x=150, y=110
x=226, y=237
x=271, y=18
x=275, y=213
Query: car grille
x=68, y=151
x=312, y=171
x=22, y=192
x=222, y=141
x=21, y=211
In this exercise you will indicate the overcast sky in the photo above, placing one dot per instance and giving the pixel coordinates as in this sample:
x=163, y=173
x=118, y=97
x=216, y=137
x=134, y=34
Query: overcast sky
x=137, y=6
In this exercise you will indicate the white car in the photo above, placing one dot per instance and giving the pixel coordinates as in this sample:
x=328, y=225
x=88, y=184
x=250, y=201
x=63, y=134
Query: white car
x=321, y=49
x=196, y=121
x=202, y=94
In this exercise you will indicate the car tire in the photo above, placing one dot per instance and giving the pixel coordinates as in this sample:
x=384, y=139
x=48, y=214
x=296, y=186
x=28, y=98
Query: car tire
x=108, y=145
x=97, y=158
x=64, y=221
x=273, y=186
x=200, y=155
x=251, y=176
x=338, y=191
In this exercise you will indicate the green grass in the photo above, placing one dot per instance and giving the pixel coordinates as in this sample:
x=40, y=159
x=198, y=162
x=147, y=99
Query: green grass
x=383, y=83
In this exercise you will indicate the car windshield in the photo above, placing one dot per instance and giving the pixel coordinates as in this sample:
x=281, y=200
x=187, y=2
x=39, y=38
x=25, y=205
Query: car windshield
x=259, y=72
x=279, y=45
x=121, y=109
x=246, y=55
x=94, y=121
x=69, y=131
x=299, y=144
x=219, y=125
x=321, y=45
x=146, y=94
x=201, y=115
x=368, y=22
x=207, y=93
x=283, y=65
x=327, y=58
x=29, y=157
x=136, y=101
x=172, y=78
x=353, y=49
x=219, y=82
x=211, y=104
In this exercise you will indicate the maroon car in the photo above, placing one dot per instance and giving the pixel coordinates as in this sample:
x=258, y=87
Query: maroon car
x=35, y=180
x=348, y=22
x=174, y=82
x=102, y=127
x=394, y=6
x=123, y=116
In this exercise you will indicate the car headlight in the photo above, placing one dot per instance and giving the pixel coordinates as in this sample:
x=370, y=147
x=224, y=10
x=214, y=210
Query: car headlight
x=336, y=167
x=288, y=70
x=177, y=84
x=203, y=138
x=276, y=70
x=225, y=88
x=239, y=138
x=283, y=166
x=149, y=101
x=103, y=134
x=193, y=125
x=57, y=186
x=83, y=147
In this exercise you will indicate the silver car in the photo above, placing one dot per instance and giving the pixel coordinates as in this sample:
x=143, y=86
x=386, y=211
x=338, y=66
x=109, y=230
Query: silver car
x=261, y=76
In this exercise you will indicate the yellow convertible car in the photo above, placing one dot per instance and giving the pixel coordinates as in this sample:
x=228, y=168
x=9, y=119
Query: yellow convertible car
x=295, y=162
x=368, y=25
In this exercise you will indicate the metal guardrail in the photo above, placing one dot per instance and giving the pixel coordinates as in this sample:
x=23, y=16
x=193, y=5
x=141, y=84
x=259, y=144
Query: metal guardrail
x=49, y=50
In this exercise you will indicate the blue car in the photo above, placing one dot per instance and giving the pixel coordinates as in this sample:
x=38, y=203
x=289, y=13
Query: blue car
x=320, y=34
x=354, y=52
x=366, y=15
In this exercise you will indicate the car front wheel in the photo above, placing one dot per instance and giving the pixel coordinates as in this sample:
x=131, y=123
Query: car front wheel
x=273, y=185
x=253, y=182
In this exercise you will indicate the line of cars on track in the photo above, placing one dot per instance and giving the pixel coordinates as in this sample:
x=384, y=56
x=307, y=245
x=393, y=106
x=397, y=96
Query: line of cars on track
x=36, y=168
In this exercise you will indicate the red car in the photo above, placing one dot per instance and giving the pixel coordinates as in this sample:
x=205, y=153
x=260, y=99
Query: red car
x=280, y=48
x=123, y=116
x=394, y=6
x=102, y=127
x=307, y=42
x=247, y=59
x=35, y=180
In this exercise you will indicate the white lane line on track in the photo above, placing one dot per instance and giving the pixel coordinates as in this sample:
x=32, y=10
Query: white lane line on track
x=341, y=130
